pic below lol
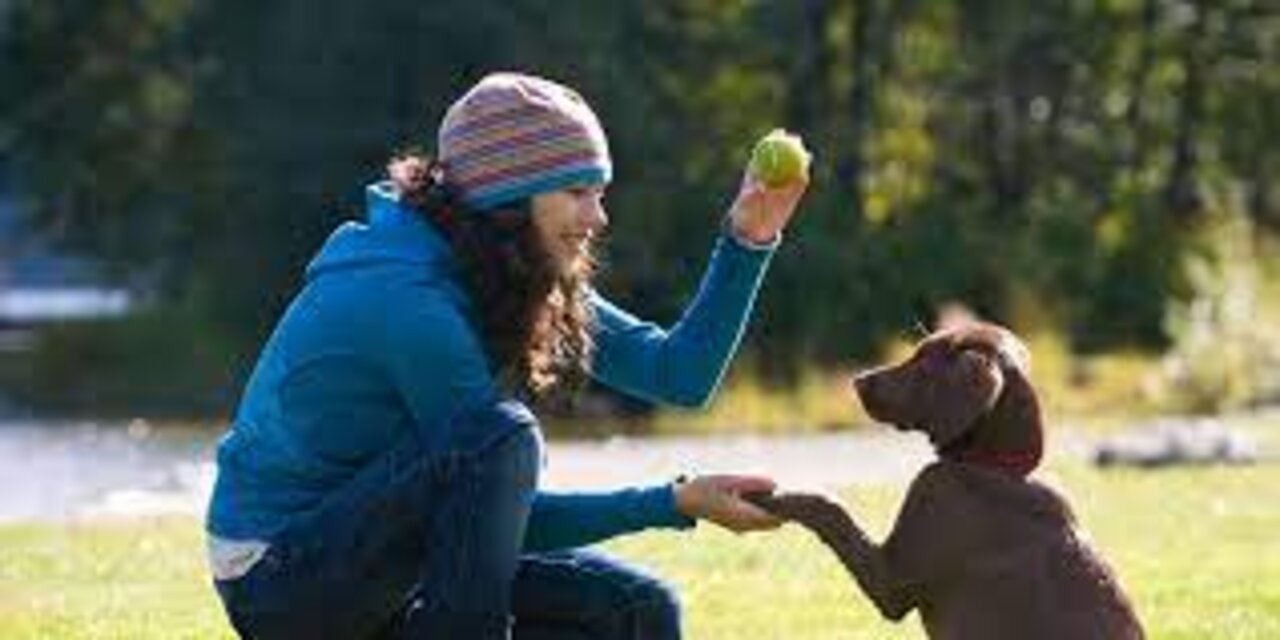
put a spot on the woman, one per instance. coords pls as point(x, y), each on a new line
point(380, 476)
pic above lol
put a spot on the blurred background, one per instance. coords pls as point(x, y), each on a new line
point(1099, 174)
point(1103, 176)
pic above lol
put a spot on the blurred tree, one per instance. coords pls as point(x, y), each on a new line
point(96, 124)
point(1072, 152)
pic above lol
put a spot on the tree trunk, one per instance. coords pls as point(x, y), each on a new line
point(1181, 197)
point(809, 78)
point(852, 161)
point(1136, 151)
point(875, 24)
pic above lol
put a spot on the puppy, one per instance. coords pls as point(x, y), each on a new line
point(982, 551)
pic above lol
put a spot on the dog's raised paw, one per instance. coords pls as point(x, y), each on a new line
point(810, 509)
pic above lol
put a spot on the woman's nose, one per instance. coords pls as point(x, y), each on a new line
point(595, 217)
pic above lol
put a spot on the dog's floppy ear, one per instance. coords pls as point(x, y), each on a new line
point(969, 390)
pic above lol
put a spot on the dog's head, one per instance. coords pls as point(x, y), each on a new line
point(967, 387)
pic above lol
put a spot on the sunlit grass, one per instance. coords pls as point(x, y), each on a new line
point(137, 579)
point(1197, 549)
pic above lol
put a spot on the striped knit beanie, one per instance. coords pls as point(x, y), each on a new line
point(513, 136)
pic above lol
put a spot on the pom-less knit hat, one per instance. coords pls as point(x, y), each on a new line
point(513, 136)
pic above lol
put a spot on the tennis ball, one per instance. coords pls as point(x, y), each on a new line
point(779, 159)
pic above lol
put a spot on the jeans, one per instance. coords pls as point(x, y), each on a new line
point(417, 548)
point(580, 594)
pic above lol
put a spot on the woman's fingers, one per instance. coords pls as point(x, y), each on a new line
point(740, 484)
point(760, 213)
point(718, 498)
point(740, 516)
point(749, 517)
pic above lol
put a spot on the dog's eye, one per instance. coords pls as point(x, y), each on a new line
point(937, 359)
point(976, 357)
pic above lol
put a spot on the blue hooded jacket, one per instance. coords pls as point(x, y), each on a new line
point(379, 343)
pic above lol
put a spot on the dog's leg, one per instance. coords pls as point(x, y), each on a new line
point(864, 559)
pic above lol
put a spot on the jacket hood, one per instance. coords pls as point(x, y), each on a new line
point(391, 235)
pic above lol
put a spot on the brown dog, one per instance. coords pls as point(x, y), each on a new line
point(981, 550)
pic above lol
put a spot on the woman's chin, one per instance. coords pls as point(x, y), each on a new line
point(572, 260)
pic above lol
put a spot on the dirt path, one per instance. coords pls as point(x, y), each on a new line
point(87, 470)
point(55, 472)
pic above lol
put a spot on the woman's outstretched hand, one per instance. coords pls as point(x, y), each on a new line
point(718, 499)
point(760, 213)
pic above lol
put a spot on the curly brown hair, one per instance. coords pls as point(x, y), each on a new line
point(534, 320)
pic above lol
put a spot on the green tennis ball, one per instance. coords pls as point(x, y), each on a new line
point(779, 159)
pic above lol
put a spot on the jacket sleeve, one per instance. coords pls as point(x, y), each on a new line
point(439, 368)
point(436, 364)
point(567, 520)
point(683, 365)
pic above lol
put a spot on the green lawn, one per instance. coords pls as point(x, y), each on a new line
point(1198, 549)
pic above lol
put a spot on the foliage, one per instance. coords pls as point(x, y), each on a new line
point(1225, 354)
point(1068, 153)
point(160, 363)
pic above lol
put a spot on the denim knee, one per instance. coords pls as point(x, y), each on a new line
point(653, 612)
point(601, 597)
point(521, 456)
point(643, 608)
point(476, 544)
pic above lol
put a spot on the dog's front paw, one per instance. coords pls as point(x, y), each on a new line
point(812, 510)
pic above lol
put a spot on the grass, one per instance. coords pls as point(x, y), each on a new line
point(1197, 549)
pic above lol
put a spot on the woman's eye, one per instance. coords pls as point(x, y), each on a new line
point(586, 192)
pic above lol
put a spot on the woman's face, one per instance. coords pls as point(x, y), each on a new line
point(567, 221)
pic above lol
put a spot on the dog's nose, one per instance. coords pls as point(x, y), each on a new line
point(864, 386)
point(863, 382)
point(879, 395)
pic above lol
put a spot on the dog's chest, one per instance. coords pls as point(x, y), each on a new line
point(1001, 500)
point(1000, 524)
point(1021, 546)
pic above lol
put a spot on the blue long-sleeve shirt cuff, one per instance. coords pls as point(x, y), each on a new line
point(761, 247)
point(567, 520)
